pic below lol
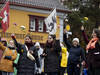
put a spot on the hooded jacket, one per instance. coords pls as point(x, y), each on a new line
point(41, 59)
point(6, 62)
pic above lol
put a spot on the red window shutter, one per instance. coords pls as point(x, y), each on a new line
point(44, 28)
point(36, 22)
point(36, 26)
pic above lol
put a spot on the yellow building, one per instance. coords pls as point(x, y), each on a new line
point(31, 14)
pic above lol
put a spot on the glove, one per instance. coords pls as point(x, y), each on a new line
point(8, 57)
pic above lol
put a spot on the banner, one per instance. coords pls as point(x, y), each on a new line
point(51, 23)
point(4, 13)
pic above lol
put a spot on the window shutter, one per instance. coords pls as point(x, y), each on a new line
point(44, 28)
point(36, 25)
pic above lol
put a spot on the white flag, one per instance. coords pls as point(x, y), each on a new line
point(51, 22)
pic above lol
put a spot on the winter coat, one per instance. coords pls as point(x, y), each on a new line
point(7, 64)
point(74, 52)
point(26, 65)
point(93, 55)
point(41, 60)
point(52, 60)
point(64, 57)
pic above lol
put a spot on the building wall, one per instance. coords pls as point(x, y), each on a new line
point(22, 18)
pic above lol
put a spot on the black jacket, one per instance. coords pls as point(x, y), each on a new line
point(25, 65)
point(93, 55)
point(93, 58)
point(51, 61)
point(76, 54)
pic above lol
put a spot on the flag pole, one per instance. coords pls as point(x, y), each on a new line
point(51, 10)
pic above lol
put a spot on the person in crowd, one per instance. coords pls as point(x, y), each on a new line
point(26, 64)
point(41, 59)
point(64, 56)
point(93, 51)
point(12, 46)
point(4, 42)
point(51, 53)
point(76, 56)
point(7, 59)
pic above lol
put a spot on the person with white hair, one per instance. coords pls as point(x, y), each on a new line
point(76, 56)
point(41, 59)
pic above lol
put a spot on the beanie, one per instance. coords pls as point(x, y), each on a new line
point(76, 39)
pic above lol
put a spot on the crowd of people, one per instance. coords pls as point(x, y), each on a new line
point(56, 58)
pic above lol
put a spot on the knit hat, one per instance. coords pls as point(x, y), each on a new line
point(76, 39)
point(37, 44)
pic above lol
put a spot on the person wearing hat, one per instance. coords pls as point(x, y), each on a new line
point(41, 59)
point(76, 56)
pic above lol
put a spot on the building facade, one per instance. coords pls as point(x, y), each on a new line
point(31, 15)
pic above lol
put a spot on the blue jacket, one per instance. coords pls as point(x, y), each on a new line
point(76, 54)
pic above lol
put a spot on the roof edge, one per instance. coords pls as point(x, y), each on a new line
point(37, 7)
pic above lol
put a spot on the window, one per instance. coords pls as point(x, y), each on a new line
point(32, 24)
point(40, 23)
point(37, 24)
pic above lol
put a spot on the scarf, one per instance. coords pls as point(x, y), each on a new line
point(92, 43)
point(49, 45)
point(29, 44)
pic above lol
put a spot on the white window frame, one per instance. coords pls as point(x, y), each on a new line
point(40, 25)
point(32, 24)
